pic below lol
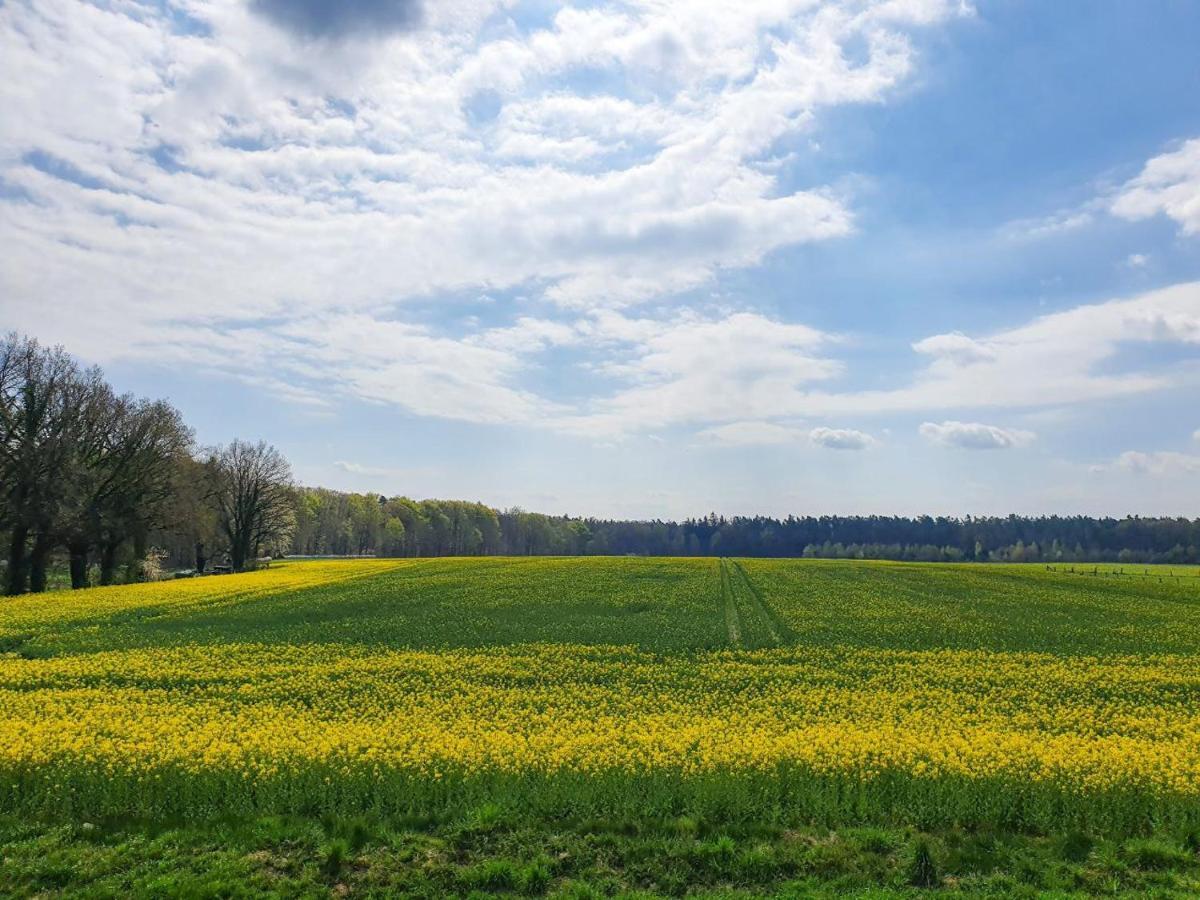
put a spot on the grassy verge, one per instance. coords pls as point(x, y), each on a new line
point(490, 852)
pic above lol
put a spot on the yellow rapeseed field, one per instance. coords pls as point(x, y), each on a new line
point(171, 698)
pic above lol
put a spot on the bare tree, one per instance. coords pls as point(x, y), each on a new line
point(85, 480)
point(189, 529)
point(120, 477)
point(149, 440)
point(253, 495)
point(37, 386)
point(79, 466)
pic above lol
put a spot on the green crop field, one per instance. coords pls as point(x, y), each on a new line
point(600, 726)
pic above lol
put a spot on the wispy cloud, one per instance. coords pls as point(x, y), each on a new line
point(1060, 222)
point(752, 434)
point(353, 468)
point(1053, 360)
point(701, 371)
point(1169, 185)
point(1158, 463)
point(750, 367)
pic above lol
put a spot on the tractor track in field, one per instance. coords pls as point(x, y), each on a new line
point(732, 622)
point(777, 630)
point(780, 631)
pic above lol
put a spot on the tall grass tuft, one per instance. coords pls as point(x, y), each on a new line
point(922, 869)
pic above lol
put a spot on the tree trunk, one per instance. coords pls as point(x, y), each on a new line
point(108, 561)
point(237, 556)
point(79, 564)
point(136, 570)
point(18, 571)
point(39, 557)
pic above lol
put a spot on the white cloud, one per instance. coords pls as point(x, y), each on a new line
point(975, 435)
point(237, 164)
point(955, 347)
point(407, 366)
point(841, 438)
point(698, 371)
point(736, 369)
point(748, 434)
point(1057, 223)
point(750, 368)
point(353, 468)
point(1169, 184)
point(1137, 260)
point(223, 193)
point(1196, 435)
point(1160, 463)
point(1054, 360)
point(237, 200)
point(527, 335)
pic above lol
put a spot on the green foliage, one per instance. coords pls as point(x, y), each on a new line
point(333, 522)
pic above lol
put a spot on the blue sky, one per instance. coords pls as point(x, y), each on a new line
point(634, 259)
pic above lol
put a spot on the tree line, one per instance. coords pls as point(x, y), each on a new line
point(100, 478)
point(112, 487)
point(336, 523)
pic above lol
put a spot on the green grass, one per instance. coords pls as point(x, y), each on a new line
point(506, 853)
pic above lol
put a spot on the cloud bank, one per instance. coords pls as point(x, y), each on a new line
point(325, 201)
point(192, 168)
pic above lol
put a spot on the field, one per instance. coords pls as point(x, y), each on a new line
point(606, 725)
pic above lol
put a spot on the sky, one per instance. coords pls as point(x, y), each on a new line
point(641, 259)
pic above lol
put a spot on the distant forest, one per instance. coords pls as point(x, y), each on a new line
point(335, 523)
point(100, 487)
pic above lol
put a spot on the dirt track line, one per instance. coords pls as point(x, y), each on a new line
point(777, 629)
point(732, 625)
